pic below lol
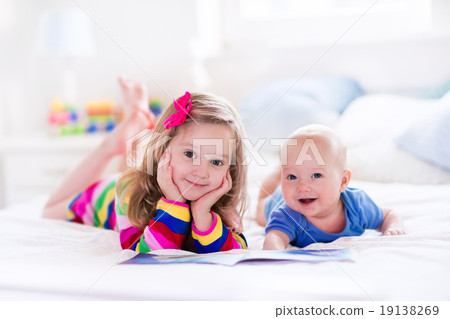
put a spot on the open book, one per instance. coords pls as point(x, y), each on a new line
point(232, 257)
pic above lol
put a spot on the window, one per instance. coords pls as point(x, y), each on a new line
point(301, 22)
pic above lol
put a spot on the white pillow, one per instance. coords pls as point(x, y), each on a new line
point(429, 138)
point(384, 162)
point(376, 117)
point(369, 127)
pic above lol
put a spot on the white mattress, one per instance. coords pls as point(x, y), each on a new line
point(46, 259)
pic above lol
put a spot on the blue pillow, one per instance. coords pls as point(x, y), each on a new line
point(269, 111)
point(437, 91)
point(429, 138)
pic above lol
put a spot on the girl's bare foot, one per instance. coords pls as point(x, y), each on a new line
point(137, 116)
point(135, 96)
point(115, 142)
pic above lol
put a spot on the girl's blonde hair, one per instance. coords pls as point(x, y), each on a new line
point(141, 185)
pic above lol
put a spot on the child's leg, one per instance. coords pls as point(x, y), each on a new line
point(134, 97)
point(91, 168)
point(268, 187)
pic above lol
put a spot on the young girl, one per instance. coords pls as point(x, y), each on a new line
point(188, 193)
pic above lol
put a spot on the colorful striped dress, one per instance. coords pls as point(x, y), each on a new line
point(99, 206)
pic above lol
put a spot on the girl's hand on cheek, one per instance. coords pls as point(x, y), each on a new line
point(165, 180)
point(201, 207)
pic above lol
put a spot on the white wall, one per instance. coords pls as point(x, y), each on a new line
point(403, 66)
point(156, 34)
point(159, 35)
point(385, 51)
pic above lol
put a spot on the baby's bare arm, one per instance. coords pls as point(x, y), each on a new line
point(392, 223)
point(268, 187)
point(276, 240)
point(270, 183)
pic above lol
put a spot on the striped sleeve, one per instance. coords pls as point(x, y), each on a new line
point(166, 231)
point(217, 238)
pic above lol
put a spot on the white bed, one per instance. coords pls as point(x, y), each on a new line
point(45, 259)
point(57, 260)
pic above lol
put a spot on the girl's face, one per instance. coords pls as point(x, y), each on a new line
point(200, 158)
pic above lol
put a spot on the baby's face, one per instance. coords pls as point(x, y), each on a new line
point(312, 181)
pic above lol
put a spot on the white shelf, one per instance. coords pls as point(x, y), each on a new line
point(35, 165)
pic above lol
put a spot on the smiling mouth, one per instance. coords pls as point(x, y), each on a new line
point(307, 201)
point(195, 184)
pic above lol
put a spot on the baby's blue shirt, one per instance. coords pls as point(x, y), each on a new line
point(360, 212)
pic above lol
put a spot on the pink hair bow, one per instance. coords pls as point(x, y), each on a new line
point(182, 107)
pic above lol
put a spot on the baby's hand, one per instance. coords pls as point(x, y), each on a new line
point(392, 223)
point(394, 232)
point(165, 181)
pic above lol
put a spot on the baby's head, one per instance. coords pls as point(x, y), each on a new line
point(203, 149)
point(314, 171)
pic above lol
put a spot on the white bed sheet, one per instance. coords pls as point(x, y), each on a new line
point(57, 260)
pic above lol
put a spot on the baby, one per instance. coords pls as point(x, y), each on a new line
point(314, 203)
